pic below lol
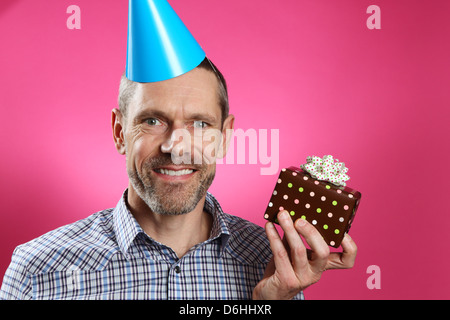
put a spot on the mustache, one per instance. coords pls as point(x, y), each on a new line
point(166, 160)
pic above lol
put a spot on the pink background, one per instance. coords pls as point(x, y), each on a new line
point(376, 99)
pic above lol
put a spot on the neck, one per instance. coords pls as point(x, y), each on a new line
point(179, 232)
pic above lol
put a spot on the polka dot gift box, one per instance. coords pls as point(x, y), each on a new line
point(316, 192)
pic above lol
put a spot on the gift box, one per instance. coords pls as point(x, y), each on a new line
point(327, 204)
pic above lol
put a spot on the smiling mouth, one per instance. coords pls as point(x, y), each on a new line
point(169, 172)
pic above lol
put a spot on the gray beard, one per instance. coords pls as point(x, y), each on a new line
point(176, 198)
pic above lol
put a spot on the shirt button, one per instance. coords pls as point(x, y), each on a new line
point(177, 269)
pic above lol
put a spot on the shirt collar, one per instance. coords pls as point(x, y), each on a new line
point(126, 228)
point(219, 226)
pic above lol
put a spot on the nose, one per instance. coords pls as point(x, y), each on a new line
point(167, 145)
point(178, 144)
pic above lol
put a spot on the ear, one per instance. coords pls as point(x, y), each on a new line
point(117, 129)
point(227, 133)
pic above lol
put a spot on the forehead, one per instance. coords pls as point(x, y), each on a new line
point(195, 91)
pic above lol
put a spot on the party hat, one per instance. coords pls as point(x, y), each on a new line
point(160, 47)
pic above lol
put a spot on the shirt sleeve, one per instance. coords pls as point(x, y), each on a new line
point(16, 282)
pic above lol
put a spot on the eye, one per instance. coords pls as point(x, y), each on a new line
point(200, 124)
point(153, 122)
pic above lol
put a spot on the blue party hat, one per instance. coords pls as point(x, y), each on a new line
point(160, 47)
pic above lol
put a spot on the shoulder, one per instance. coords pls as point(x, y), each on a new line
point(248, 241)
point(68, 245)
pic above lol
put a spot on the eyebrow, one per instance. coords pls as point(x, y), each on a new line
point(146, 113)
point(202, 116)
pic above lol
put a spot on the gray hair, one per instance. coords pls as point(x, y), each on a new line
point(127, 88)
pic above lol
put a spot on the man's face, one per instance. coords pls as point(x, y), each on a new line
point(165, 120)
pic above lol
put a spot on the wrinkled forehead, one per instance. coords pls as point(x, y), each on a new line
point(195, 91)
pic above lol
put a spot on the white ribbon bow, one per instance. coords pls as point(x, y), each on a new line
point(327, 169)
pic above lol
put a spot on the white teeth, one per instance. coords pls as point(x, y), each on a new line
point(175, 173)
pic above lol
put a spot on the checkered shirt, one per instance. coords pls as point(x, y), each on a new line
point(109, 256)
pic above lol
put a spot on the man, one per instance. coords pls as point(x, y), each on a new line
point(168, 238)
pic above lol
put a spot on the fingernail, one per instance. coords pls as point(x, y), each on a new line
point(270, 228)
point(284, 214)
point(300, 222)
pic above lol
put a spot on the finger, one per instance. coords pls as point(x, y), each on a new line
point(291, 237)
point(280, 255)
point(349, 251)
point(319, 249)
point(346, 258)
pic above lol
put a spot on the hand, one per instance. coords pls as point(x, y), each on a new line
point(294, 268)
